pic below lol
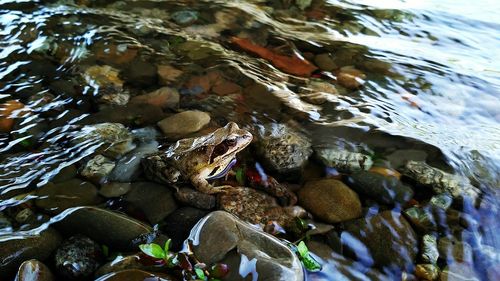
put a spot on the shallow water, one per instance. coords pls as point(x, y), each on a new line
point(428, 81)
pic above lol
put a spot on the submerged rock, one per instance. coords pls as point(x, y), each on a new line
point(18, 247)
point(283, 149)
point(154, 200)
point(440, 181)
point(33, 270)
point(343, 160)
point(78, 257)
point(164, 98)
point(55, 198)
point(385, 190)
point(184, 123)
point(97, 169)
point(330, 200)
point(429, 252)
point(106, 227)
point(114, 138)
point(427, 271)
point(458, 272)
point(128, 168)
point(221, 237)
point(387, 239)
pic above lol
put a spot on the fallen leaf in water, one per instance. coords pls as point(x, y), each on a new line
point(8, 112)
point(290, 64)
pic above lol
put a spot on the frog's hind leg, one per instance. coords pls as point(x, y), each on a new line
point(202, 185)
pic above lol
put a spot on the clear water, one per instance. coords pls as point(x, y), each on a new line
point(435, 86)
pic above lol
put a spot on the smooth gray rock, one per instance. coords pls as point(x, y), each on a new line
point(55, 198)
point(16, 248)
point(385, 190)
point(221, 237)
point(106, 227)
point(387, 239)
point(128, 168)
point(156, 201)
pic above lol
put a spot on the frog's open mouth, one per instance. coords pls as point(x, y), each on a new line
point(223, 172)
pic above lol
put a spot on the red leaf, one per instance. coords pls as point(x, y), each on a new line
point(292, 65)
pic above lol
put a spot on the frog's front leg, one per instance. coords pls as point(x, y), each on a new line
point(201, 184)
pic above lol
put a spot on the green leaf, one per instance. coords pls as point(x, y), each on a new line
point(199, 273)
point(302, 249)
point(311, 264)
point(152, 250)
point(167, 245)
point(240, 176)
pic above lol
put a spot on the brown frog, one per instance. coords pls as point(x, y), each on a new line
point(200, 159)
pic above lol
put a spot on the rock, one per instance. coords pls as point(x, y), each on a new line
point(114, 99)
point(114, 138)
point(106, 227)
point(55, 198)
point(154, 200)
point(385, 190)
point(325, 62)
point(338, 267)
point(343, 160)
point(421, 218)
point(453, 250)
point(141, 73)
point(121, 263)
point(255, 207)
point(128, 168)
point(225, 88)
point(427, 271)
point(114, 189)
point(135, 274)
point(440, 181)
point(195, 198)
point(167, 74)
point(458, 272)
point(178, 224)
point(442, 201)
point(429, 252)
point(25, 216)
point(283, 149)
point(401, 156)
point(129, 115)
point(78, 257)
point(330, 200)
point(103, 79)
point(184, 123)
point(303, 4)
point(65, 174)
point(185, 17)
point(350, 78)
point(164, 98)
point(18, 247)
point(388, 238)
point(97, 169)
point(33, 270)
point(221, 237)
point(115, 53)
point(146, 135)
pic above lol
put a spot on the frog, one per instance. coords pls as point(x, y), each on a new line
point(199, 159)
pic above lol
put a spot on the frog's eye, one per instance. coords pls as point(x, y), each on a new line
point(230, 142)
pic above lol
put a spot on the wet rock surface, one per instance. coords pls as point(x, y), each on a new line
point(220, 234)
point(154, 200)
point(283, 149)
point(26, 246)
point(330, 200)
point(78, 257)
point(135, 274)
point(388, 238)
point(55, 198)
point(104, 226)
point(386, 190)
point(195, 198)
point(34, 270)
point(184, 123)
point(115, 140)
